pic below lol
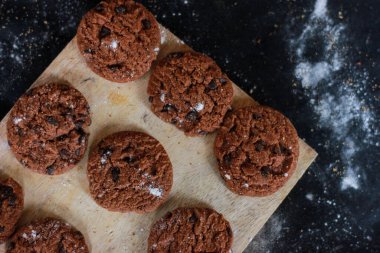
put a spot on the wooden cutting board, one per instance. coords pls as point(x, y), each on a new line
point(125, 106)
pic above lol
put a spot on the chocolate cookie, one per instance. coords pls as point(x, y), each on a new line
point(47, 235)
point(129, 171)
point(191, 230)
point(46, 128)
point(11, 206)
point(119, 40)
point(257, 150)
point(190, 91)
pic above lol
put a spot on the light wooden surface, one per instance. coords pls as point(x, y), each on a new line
point(117, 107)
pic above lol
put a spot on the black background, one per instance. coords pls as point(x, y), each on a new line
point(249, 40)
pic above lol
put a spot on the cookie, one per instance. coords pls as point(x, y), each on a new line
point(119, 40)
point(47, 235)
point(11, 207)
point(47, 128)
point(191, 230)
point(257, 150)
point(190, 91)
point(129, 172)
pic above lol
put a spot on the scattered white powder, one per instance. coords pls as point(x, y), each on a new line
point(163, 36)
point(114, 44)
point(334, 87)
point(286, 174)
point(25, 236)
point(245, 185)
point(309, 196)
point(350, 180)
point(103, 160)
point(155, 191)
point(17, 120)
point(320, 8)
point(199, 107)
point(162, 97)
point(34, 234)
point(156, 50)
point(227, 176)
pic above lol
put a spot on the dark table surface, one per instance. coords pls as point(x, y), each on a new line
point(316, 61)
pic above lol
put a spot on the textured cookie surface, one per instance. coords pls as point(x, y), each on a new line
point(47, 235)
point(119, 40)
point(191, 230)
point(11, 207)
point(129, 171)
point(190, 91)
point(257, 150)
point(46, 128)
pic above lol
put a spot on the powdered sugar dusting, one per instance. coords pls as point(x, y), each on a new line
point(335, 88)
point(155, 191)
point(199, 107)
point(114, 44)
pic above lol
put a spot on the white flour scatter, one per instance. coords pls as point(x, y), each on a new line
point(155, 191)
point(266, 238)
point(114, 44)
point(335, 87)
point(199, 107)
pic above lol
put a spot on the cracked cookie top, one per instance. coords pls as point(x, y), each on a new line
point(191, 230)
point(119, 40)
point(190, 91)
point(47, 128)
point(129, 172)
point(257, 150)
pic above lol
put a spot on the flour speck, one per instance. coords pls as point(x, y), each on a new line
point(155, 191)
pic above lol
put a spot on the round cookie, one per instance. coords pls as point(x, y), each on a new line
point(191, 230)
point(11, 207)
point(190, 91)
point(47, 235)
point(257, 150)
point(46, 128)
point(119, 40)
point(129, 171)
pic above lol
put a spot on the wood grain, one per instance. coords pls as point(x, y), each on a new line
point(117, 107)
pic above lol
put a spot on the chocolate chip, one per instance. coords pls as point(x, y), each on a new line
point(2, 228)
point(99, 7)
point(265, 171)
point(162, 86)
point(153, 171)
point(61, 247)
point(192, 116)
point(104, 32)
point(77, 152)
point(223, 81)
point(174, 121)
point(193, 218)
point(88, 51)
point(227, 159)
point(114, 67)
point(285, 150)
point(64, 153)
point(276, 150)
point(260, 145)
point(79, 123)
point(121, 9)
point(82, 135)
point(52, 121)
point(150, 99)
point(233, 129)
point(115, 171)
point(106, 152)
point(256, 116)
point(12, 200)
point(129, 159)
point(62, 137)
point(50, 170)
point(146, 24)
point(212, 85)
point(168, 107)
point(11, 245)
